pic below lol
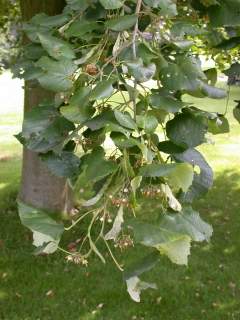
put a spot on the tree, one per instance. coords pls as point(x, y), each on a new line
point(39, 187)
point(98, 57)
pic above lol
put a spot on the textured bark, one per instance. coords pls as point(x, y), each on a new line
point(39, 187)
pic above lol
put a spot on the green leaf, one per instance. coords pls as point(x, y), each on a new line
point(203, 181)
point(143, 265)
point(97, 167)
point(56, 74)
point(157, 170)
point(226, 13)
point(211, 75)
point(79, 110)
point(150, 123)
point(50, 21)
point(182, 75)
point(44, 129)
point(64, 165)
point(233, 71)
point(179, 174)
point(81, 27)
point(184, 28)
point(229, 43)
point(98, 196)
point(218, 125)
point(140, 72)
point(167, 103)
point(182, 176)
point(125, 120)
point(168, 7)
point(43, 23)
point(186, 130)
point(38, 220)
point(121, 141)
point(236, 112)
point(106, 120)
point(146, 52)
point(103, 90)
point(169, 147)
point(188, 222)
point(55, 47)
point(212, 92)
point(79, 5)
point(77, 114)
point(121, 23)
point(166, 240)
point(111, 4)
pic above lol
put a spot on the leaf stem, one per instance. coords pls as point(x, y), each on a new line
point(112, 256)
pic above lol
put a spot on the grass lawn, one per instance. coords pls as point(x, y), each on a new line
point(42, 288)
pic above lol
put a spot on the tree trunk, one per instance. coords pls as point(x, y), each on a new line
point(39, 187)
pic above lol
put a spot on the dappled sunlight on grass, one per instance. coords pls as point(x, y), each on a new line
point(3, 185)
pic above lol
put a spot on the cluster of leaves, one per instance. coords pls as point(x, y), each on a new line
point(119, 129)
point(9, 32)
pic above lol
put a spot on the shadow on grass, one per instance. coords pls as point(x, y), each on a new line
point(47, 288)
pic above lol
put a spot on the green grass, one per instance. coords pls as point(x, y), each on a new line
point(209, 288)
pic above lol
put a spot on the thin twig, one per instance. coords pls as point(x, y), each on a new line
point(134, 49)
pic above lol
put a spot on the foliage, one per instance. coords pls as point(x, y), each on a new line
point(9, 32)
point(120, 71)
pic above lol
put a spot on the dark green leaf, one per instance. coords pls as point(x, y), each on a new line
point(81, 27)
point(97, 167)
point(38, 220)
point(79, 5)
point(179, 174)
point(141, 266)
point(184, 28)
point(202, 182)
point(233, 71)
point(45, 129)
point(55, 47)
point(236, 112)
point(188, 222)
point(167, 240)
point(122, 23)
point(182, 75)
point(186, 130)
point(111, 4)
point(167, 103)
point(169, 147)
point(64, 165)
point(121, 141)
point(225, 13)
point(168, 7)
point(56, 74)
point(140, 72)
point(103, 90)
point(125, 120)
point(212, 92)
point(79, 110)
